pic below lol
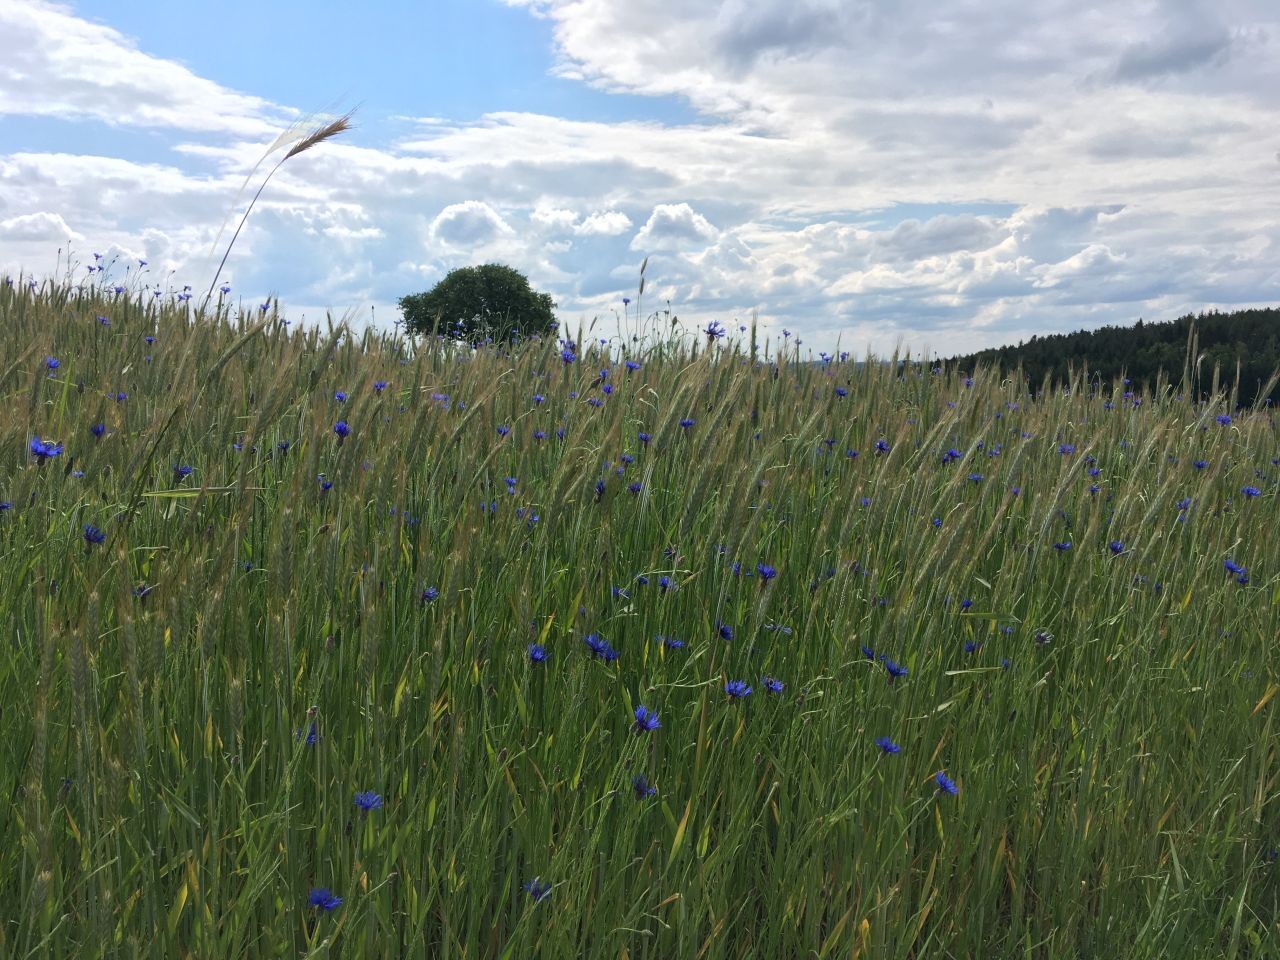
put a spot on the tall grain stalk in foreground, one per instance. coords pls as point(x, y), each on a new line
point(326, 132)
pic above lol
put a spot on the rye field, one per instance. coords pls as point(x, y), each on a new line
point(328, 643)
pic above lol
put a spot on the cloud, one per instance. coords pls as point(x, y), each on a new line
point(43, 226)
point(60, 65)
point(604, 223)
point(674, 226)
point(470, 223)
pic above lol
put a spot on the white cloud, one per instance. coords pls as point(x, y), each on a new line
point(604, 223)
point(57, 64)
point(470, 223)
point(38, 226)
point(674, 226)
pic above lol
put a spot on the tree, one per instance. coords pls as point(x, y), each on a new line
point(489, 302)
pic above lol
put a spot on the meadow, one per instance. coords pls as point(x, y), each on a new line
point(328, 643)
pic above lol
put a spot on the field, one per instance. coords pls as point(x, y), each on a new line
point(332, 645)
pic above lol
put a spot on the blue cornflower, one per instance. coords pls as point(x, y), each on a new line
point(773, 685)
point(737, 689)
point(945, 783)
point(98, 429)
point(538, 653)
point(882, 446)
point(503, 430)
point(1199, 464)
point(312, 734)
point(1223, 419)
point(368, 801)
point(766, 572)
point(1063, 546)
point(841, 392)
point(951, 454)
point(1184, 503)
point(44, 450)
point(6, 505)
point(643, 788)
point(538, 889)
point(568, 356)
point(643, 437)
point(325, 484)
point(121, 397)
point(937, 521)
point(1117, 546)
point(322, 898)
point(646, 720)
point(599, 647)
point(976, 477)
point(430, 595)
point(868, 652)
point(895, 670)
point(340, 396)
point(632, 365)
point(1231, 566)
point(726, 631)
point(342, 429)
point(181, 472)
point(1066, 448)
point(672, 643)
point(635, 487)
point(93, 535)
point(887, 746)
point(687, 422)
point(1251, 491)
point(53, 363)
point(539, 434)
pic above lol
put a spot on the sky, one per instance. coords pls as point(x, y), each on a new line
point(940, 174)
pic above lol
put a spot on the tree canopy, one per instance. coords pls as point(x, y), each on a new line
point(1247, 338)
point(488, 302)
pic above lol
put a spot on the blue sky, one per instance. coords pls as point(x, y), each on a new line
point(929, 172)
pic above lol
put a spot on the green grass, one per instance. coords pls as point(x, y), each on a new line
point(1118, 785)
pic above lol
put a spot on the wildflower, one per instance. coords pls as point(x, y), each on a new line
point(98, 429)
point(322, 898)
point(92, 535)
point(340, 396)
point(1251, 491)
point(887, 746)
point(325, 485)
point(368, 801)
point(841, 392)
point(53, 363)
point(646, 720)
point(714, 331)
point(643, 437)
point(726, 631)
point(1043, 638)
point(312, 734)
point(1066, 449)
point(882, 446)
point(946, 784)
point(1223, 419)
point(973, 646)
point(503, 430)
point(632, 365)
point(1064, 546)
point(635, 487)
point(1232, 567)
point(1117, 546)
point(737, 689)
point(568, 356)
point(538, 653)
point(539, 434)
point(773, 685)
point(671, 643)
point(766, 572)
point(44, 450)
point(600, 648)
point(538, 889)
point(181, 472)
point(104, 321)
point(895, 670)
point(937, 521)
point(687, 422)
point(1199, 464)
point(429, 595)
point(643, 788)
point(342, 429)
point(868, 652)
point(121, 397)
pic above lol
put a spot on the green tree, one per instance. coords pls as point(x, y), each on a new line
point(475, 304)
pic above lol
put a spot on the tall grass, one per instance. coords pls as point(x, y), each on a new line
point(190, 706)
